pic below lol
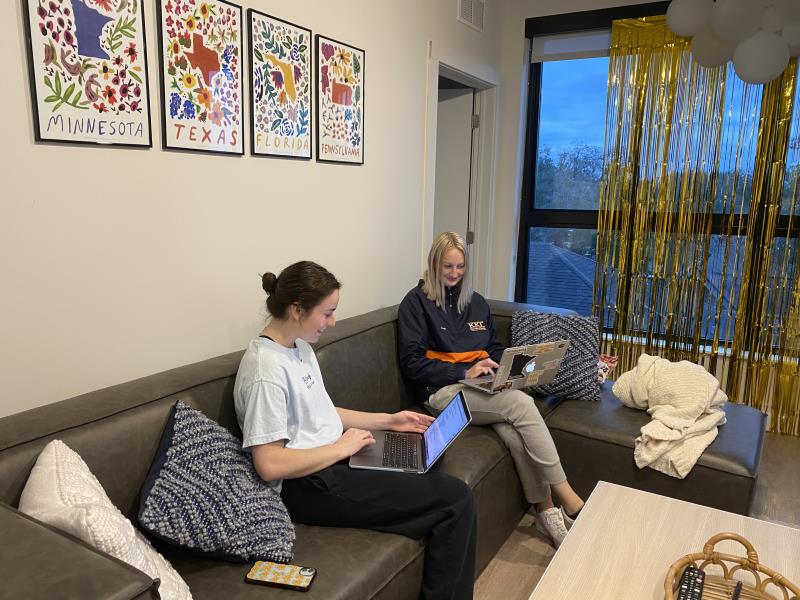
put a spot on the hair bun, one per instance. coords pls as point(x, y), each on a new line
point(268, 281)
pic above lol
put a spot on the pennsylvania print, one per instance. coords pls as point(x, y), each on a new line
point(89, 71)
point(340, 102)
point(201, 75)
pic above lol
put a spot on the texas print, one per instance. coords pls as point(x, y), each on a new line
point(201, 76)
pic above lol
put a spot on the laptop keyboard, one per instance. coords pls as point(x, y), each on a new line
point(400, 451)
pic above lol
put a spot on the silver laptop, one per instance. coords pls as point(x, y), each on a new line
point(415, 452)
point(523, 366)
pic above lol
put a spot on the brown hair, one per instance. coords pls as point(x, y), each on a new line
point(304, 283)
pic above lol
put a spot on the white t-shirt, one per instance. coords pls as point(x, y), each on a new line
point(279, 395)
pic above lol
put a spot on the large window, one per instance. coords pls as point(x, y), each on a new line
point(563, 157)
point(562, 208)
point(565, 133)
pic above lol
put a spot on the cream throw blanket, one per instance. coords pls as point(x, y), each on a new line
point(686, 405)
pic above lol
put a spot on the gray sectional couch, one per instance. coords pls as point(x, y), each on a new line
point(117, 431)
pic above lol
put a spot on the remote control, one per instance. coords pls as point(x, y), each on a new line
point(737, 590)
point(691, 585)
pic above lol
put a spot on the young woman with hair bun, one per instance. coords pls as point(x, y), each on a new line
point(301, 442)
point(446, 334)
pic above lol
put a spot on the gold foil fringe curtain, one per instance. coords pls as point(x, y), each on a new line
point(697, 250)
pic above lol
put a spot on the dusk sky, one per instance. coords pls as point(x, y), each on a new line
point(573, 103)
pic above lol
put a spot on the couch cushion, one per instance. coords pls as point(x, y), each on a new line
point(577, 376)
point(62, 492)
point(595, 441)
point(473, 454)
point(119, 425)
point(364, 564)
point(203, 493)
point(736, 449)
point(481, 459)
point(359, 363)
point(547, 404)
point(24, 575)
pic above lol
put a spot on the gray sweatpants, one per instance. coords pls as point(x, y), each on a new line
point(515, 418)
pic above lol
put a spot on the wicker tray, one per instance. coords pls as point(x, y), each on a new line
point(759, 582)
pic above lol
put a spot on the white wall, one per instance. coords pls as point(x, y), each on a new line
point(102, 287)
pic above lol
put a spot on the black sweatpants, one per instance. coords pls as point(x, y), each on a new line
point(435, 505)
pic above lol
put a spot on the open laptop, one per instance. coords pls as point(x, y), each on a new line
point(415, 452)
point(523, 366)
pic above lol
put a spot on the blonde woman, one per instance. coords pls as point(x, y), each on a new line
point(447, 334)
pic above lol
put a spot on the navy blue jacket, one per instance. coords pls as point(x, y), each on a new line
point(423, 328)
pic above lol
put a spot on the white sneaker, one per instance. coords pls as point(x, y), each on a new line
point(567, 520)
point(551, 523)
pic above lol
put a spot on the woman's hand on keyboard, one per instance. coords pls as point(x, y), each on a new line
point(407, 420)
point(354, 440)
point(483, 367)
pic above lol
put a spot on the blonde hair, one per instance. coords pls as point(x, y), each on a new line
point(431, 280)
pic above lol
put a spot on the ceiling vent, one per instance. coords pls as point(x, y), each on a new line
point(470, 12)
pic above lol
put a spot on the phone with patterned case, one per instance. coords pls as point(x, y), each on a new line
point(293, 577)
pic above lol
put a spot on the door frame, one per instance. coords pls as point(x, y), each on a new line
point(482, 170)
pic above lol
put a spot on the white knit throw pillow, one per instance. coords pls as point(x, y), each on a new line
point(61, 491)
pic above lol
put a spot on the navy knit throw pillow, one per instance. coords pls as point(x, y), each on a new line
point(203, 494)
point(577, 377)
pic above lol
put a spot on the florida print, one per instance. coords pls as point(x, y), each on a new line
point(281, 87)
point(89, 71)
point(340, 102)
point(201, 75)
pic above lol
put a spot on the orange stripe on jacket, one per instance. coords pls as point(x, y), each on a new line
point(457, 357)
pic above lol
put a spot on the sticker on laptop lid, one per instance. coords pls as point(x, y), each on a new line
point(532, 378)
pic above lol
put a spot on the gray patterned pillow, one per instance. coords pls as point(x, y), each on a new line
point(577, 376)
point(203, 494)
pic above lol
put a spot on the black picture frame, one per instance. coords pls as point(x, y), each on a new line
point(329, 109)
point(261, 146)
point(188, 143)
point(82, 93)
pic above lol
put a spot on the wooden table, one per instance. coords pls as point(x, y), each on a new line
point(625, 540)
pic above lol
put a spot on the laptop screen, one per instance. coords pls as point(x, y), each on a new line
point(444, 429)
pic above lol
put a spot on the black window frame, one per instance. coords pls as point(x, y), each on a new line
point(530, 216)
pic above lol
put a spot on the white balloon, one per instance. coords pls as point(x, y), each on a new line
point(788, 9)
point(735, 20)
point(687, 17)
point(791, 33)
point(710, 51)
point(771, 20)
point(761, 57)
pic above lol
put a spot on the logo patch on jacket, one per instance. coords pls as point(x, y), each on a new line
point(476, 326)
point(308, 380)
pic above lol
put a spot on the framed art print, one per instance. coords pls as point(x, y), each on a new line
point(280, 87)
point(340, 101)
point(201, 75)
point(88, 71)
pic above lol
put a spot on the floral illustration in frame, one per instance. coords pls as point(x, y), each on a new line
point(201, 75)
point(340, 101)
point(88, 71)
point(280, 87)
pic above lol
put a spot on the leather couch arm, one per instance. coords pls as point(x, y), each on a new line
point(39, 561)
